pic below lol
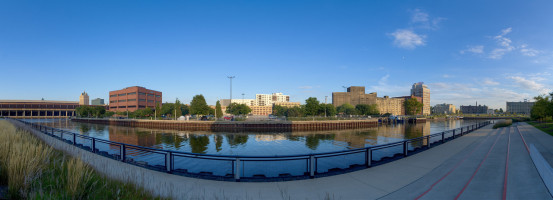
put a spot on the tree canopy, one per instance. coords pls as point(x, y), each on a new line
point(238, 109)
point(346, 109)
point(312, 106)
point(198, 106)
point(543, 107)
point(219, 110)
point(364, 109)
point(412, 106)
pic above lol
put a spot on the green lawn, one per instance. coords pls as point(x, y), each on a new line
point(544, 126)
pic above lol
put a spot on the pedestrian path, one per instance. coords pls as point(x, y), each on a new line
point(497, 166)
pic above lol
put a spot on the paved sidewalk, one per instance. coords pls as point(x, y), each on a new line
point(402, 179)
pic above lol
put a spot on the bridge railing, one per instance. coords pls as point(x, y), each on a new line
point(254, 168)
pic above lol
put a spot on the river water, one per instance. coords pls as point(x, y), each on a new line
point(269, 144)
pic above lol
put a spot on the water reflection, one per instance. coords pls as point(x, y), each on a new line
point(258, 143)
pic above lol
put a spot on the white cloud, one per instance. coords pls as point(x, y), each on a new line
point(419, 16)
point(447, 76)
point(478, 49)
point(407, 39)
point(504, 44)
point(385, 88)
point(528, 51)
point(489, 82)
point(530, 84)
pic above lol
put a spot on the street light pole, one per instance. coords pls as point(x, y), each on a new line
point(231, 77)
point(325, 105)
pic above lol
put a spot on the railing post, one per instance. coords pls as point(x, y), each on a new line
point(453, 133)
point(74, 139)
point(311, 166)
point(428, 142)
point(123, 149)
point(443, 137)
point(169, 161)
point(369, 157)
point(94, 145)
point(405, 149)
point(61, 134)
point(461, 130)
point(237, 169)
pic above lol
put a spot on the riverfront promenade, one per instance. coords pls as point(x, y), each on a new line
point(470, 167)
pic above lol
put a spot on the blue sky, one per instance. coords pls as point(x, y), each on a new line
point(465, 51)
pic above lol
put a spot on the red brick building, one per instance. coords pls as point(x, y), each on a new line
point(133, 98)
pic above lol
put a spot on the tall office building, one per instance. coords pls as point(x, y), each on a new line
point(421, 90)
point(134, 98)
point(83, 99)
point(97, 102)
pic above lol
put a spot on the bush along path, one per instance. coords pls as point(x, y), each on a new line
point(33, 170)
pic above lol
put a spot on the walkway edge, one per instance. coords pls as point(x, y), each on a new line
point(544, 169)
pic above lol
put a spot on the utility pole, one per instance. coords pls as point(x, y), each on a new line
point(345, 88)
point(243, 98)
point(231, 77)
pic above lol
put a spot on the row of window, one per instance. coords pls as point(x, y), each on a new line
point(133, 93)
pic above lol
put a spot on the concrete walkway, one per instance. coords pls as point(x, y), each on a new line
point(471, 167)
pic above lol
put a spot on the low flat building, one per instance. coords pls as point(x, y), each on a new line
point(287, 104)
point(519, 107)
point(37, 108)
point(261, 110)
point(476, 109)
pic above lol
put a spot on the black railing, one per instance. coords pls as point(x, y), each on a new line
point(255, 168)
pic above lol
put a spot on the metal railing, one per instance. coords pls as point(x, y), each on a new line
point(255, 168)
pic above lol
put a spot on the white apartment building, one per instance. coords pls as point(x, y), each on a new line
point(270, 99)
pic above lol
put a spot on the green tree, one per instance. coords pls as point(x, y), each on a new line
point(328, 108)
point(542, 108)
point(178, 106)
point(157, 111)
point(346, 109)
point(98, 111)
point(167, 109)
point(198, 106)
point(500, 110)
point(412, 106)
point(109, 113)
point(219, 110)
point(312, 106)
point(296, 111)
point(279, 110)
point(238, 109)
point(185, 109)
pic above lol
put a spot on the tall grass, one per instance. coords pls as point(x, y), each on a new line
point(33, 170)
point(503, 123)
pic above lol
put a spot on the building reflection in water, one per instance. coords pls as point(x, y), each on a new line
point(274, 143)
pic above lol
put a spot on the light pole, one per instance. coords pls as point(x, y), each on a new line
point(325, 105)
point(345, 88)
point(231, 77)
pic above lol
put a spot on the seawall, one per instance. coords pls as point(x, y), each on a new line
point(237, 126)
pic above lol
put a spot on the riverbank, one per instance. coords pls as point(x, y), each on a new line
point(34, 170)
point(237, 126)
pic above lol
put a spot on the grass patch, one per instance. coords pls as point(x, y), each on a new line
point(34, 170)
point(543, 126)
point(504, 123)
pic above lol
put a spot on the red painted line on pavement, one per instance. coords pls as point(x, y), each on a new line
point(477, 169)
point(456, 165)
point(527, 149)
point(506, 168)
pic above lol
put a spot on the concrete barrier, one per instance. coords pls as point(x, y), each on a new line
point(543, 167)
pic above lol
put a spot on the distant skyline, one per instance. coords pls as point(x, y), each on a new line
point(465, 51)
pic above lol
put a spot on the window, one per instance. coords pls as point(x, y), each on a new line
point(122, 107)
point(141, 106)
point(142, 93)
point(131, 100)
point(132, 93)
point(132, 106)
point(113, 95)
point(150, 95)
point(122, 101)
point(158, 96)
point(113, 107)
point(112, 101)
point(121, 94)
point(151, 101)
point(141, 99)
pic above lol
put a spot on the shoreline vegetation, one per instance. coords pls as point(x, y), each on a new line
point(33, 170)
point(503, 123)
point(546, 127)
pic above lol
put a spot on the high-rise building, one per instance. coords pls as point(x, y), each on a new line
point(97, 102)
point(421, 90)
point(519, 107)
point(134, 98)
point(354, 95)
point(83, 99)
point(270, 99)
point(444, 109)
point(248, 102)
